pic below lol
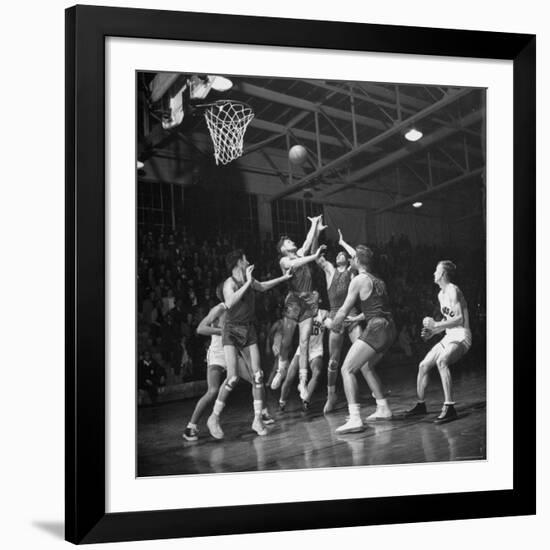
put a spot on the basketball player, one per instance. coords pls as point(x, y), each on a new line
point(212, 325)
point(239, 335)
point(298, 303)
point(338, 280)
point(454, 345)
point(373, 343)
point(315, 361)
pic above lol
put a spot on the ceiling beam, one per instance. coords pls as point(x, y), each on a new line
point(407, 151)
point(435, 189)
point(305, 105)
point(451, 98)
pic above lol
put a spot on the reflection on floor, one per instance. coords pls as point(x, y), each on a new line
point(307, 440)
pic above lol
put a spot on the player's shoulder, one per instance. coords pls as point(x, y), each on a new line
point(453, 291)
point(229, 283)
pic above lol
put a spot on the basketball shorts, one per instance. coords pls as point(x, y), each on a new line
point(215, 356)
point(240, 336)
point(332, 313)
point(457, 335)
point(299, 305)
point(379, 334)
point(312, 352)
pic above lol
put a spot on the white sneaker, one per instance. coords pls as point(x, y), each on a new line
point(381, 413)
point(213, 425)
point(353, 425)
point(278, 379)
point(302, 389)
point(258, 426)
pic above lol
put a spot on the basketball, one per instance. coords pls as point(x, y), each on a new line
point(297, 154)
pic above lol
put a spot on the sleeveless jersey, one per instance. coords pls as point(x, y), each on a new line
point(242, 313)
point(338, 289)
point(447, 313)
point(377, 304)
point(301, 279)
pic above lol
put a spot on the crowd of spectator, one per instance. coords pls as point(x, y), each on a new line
point(178, 274)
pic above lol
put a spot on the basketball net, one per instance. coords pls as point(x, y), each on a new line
point(227, 121)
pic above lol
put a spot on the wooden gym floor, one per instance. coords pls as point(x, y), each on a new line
point(307, 439)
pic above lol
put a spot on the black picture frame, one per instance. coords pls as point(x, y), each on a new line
point(86, 29)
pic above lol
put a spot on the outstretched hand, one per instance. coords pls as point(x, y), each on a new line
point(288, 274)
point(320, 250)
point(340, 237)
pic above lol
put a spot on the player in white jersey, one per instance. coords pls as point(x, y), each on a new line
point(456, 342)
point(216, 369)
point(315, 357)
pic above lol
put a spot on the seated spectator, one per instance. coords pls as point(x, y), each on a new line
point(151, 379)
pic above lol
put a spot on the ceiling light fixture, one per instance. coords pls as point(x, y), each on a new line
point(413, 134)
point(417, 204)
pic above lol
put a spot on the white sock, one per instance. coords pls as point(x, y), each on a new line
point(354, 411)
point(382, 402)
point(331, 390)
point(258, 405)
point(192, 426)
point(265, 411)
point(218, 407)
point(303, 376)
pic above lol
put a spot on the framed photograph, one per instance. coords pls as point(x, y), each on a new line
point(300, 272)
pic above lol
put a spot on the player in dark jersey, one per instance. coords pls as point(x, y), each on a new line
point(370, 347)
point(299, 302)
point(239, 335)
point(452, 347)
point(338, 281)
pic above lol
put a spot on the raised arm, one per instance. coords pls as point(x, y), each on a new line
point(206, 327)
point(266, 285)
point(325, 265)
point(309, 237)
point(348, 248)
point(231, 294)
point(293, 263)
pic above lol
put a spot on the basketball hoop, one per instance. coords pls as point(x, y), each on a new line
point(227, 121)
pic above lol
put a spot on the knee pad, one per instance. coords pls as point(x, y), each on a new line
point(259, 378)
point(333, 366)
point(231, 383)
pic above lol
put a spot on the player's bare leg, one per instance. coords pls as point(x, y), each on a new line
point(214, 376)
point(358, 355)
point(246, 373)
point(289, 326)
point(453, 352)
point(257, 389)
point(383, 411)
point(213, 422)
point(304, 328)
point(289, 380)
point(335, 341)
point(316, 365)
point(424, 368)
